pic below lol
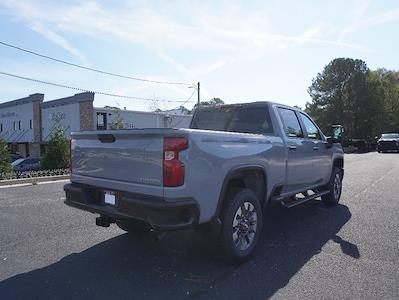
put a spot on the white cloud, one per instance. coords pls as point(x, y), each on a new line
point(215, 36)
point(57, 39)
point(26, 12)
point(193, 39)
point(361, 7)
point(361, 24)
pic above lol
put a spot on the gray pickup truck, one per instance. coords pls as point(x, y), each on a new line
point(223, 171)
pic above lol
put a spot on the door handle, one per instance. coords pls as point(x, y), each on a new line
point(315, 148)
point(292, 147)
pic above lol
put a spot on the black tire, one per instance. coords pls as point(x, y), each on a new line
point(334, 187)
point(134, 227)
point(240, 233)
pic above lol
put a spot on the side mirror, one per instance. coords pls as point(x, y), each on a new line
point(336, 133)
point(329, 142)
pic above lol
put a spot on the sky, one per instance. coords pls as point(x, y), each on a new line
point(239, 51)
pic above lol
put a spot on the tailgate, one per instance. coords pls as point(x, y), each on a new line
point(133, 156)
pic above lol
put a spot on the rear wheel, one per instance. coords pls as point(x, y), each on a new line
point(134, 227)
point(242, 224)
point(335, 188)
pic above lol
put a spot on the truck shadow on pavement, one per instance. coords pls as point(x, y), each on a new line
point(185, 265)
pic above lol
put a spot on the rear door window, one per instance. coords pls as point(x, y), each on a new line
point(251, 120)
point(292, 128)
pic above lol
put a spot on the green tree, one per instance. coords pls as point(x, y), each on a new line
point(57, 151)
point(213, 101)
point(345, 93)
point(185, 111)
point(388, 92)
point(5, 164)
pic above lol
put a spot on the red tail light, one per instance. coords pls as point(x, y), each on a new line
point(173, 168)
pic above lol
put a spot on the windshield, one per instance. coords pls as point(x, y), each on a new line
point(390, 136)
point(17, 162)
point(233, 119)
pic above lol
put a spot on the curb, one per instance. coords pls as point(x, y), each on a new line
point(33, 180)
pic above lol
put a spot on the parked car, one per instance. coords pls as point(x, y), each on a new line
point(388, 142)
point(232, 162)
point(14, 157)
point(26, 164)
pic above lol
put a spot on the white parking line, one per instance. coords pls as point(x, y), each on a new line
point(29, 184)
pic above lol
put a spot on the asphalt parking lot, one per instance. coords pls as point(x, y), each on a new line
point(51, 251)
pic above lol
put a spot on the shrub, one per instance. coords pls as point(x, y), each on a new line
point(5, 163)
point(57, 152)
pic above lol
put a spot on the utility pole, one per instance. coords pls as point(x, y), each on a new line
point(198, 91)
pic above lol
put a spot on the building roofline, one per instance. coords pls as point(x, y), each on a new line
point(81, 97)
point(37, 97)
point(135, 111)
point(254, 104)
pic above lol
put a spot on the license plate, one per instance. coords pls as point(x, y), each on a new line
point(109, 198)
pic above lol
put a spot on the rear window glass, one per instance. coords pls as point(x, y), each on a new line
point(233, 119)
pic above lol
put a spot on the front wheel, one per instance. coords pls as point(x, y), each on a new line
point(242, 224)
point(335, 188)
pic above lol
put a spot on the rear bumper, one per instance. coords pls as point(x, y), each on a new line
point(387, 146)
point(158, 213)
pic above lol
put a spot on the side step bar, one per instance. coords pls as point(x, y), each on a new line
point(291, 203)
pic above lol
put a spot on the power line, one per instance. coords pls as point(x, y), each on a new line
point(189, 98)
point(85, 90)
point(92, 69)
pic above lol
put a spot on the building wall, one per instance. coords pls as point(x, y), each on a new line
point(34, 119)
point(74, 113)
point(20, 116)
point(68, 115)
point(34, 147)
point(86, 115)
point(178, 121)
point(21, 113)
point(37, 122)
point(137, 119)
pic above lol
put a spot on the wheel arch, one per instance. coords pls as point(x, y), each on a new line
point(339, 162)
point(253, 177)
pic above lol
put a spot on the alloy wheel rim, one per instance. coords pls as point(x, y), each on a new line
point(244, 226)
point(337, 186)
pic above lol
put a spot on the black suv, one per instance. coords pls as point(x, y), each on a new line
point(388, 142)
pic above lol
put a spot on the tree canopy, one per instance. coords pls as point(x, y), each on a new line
point(213, 101)
point(347, 92)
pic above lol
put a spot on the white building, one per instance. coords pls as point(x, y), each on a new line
point(20, 124)
point(26, 124)
point(75, 113)
point(138, 119)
